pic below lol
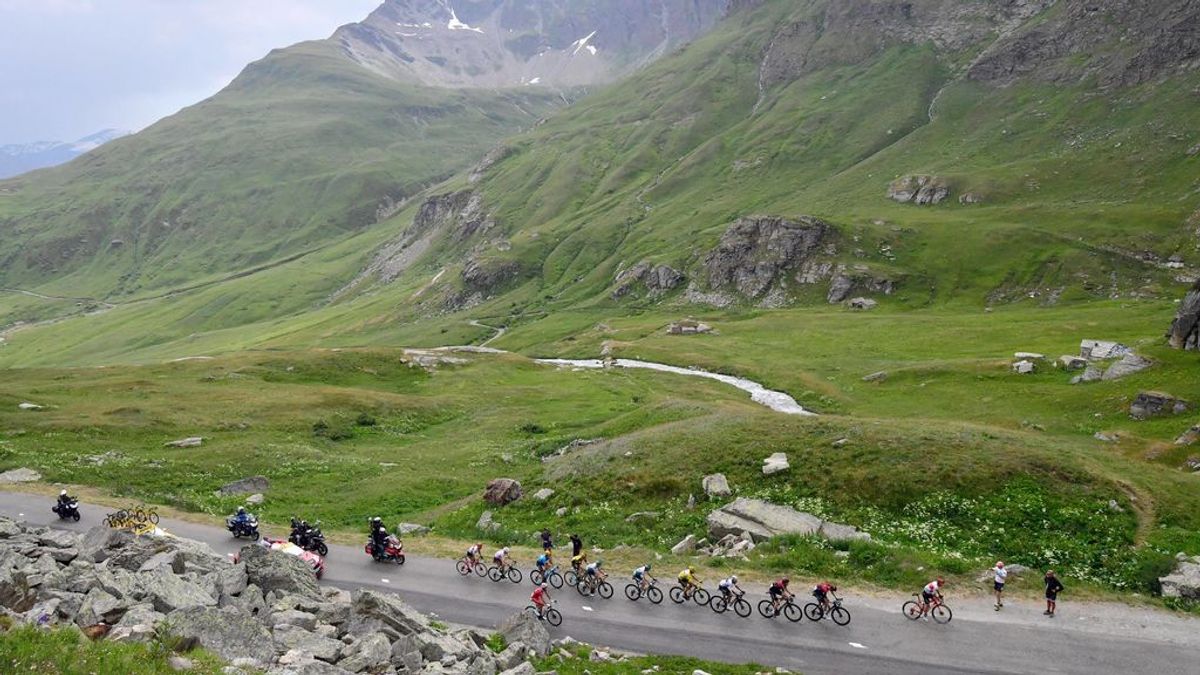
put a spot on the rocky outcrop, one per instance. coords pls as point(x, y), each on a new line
point(273, 571)
point(485, 275)
point(716, 485)
point(1184, 582)
point(1185, 329)
point(1157, 404)
point(759, 520)
point(287, 628)
point(245, 486)
point(501, 491)
point(658, 280)
point(919, 190)
point(755, 254)
point(21, 475)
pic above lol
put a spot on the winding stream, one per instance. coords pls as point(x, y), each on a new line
point(775, 400)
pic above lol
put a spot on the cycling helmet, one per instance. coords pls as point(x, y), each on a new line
point(647, 567)
point(545, 585)
point(479, 545)
point(733, 578)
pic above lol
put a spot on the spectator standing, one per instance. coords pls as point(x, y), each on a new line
point(1000, 576)
point(1053, 588)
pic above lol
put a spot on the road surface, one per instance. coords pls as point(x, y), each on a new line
point(879, 641)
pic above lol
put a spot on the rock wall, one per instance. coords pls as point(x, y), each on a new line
point(266, 611)
point(1185, 330)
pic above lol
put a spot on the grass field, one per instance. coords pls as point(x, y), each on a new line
point(66, 652)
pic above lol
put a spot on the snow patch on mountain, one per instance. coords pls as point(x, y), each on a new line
point(455, 24)
point(582, 43)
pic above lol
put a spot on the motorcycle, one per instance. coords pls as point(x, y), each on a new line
point(310, 539)
point(66, 511)
point(393, 551)
point(241, 529)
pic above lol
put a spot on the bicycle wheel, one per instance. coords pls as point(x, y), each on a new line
point(676, 594)
point(840, 615)
point(767, 609)
point(515, 575)
point(911, 609)
point(106, 522)
point(792, 612)
point(153, 516)
point(605, 590)
point(555, 580)
point(553, 617)
point(813, 611)
point(718, 604)
point(121, 515)
point(462, 568)
point(701, 597)
point(741, 608)
point(493, 573)
point(139, 515)
point(654, 595)
point(633, 592)
point(537, 577)
point(583, 588)
point(481, 569)
point(571, 578)
point(941, 614)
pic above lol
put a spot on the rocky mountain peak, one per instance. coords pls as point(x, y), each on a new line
point(511, 43)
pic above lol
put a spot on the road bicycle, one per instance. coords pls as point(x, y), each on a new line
point(465, 567)
point(550, 615)
point(789, 609)
point(697, 594)
point(594, 586)
point(651, 592)
point(737, 603)
point(550, 576)
point(815, 611)
point(915, 609)
point(510, 572)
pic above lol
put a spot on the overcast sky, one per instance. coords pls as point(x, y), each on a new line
point(69, 68)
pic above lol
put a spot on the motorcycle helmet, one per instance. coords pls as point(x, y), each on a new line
point(241, 509)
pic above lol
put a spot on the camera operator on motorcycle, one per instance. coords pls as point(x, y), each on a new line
point(242, 523)
point(379, 535)
point(65, 500)
point(67, 506)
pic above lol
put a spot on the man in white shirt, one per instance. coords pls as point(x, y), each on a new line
point(1001, 575)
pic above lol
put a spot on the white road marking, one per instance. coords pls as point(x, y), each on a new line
point(587, 609)
point(385, 581)
point(857, 645)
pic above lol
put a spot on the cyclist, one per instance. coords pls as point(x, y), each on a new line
point(821, 592)
point(593, 575)
point(474, 554)
point(578, 563)
point(501, 559)
point(780, 593)
point(642, 576)
point(929, 594)
point(689, 581)
point(730, 586)
point(540, 595)
point(543, 562)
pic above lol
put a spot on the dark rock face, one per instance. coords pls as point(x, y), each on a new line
point(1185, 330)
point(1156, 404)
point(755, 253)
point(1119, 42)
point(462, 212)
point(501, 491)
point(657, 279)
point(919, 190)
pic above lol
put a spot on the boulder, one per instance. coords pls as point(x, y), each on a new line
point(543, 494)
point(757, 254)
point(838, 532)
point(368, 654)
point(168, 592)
point(15, 593)
point(30, 406)
point(657, 279)
point(1184, 582)
point(1189, 437)
point(190, 442)
point(280, 572)
point(880, 376)
point(1071, 362)
point(501, 491)
point(486, 523)
point(227, 632)
point(58, 539)
point(289, 637)
point(1023, 367)
point(716, 485)
point(775, 463)
point(96, 544)
point(21, 475)
point(760, 520)
point(98, 606)
point(862, 304)
point(1100, 350)
point(1128, 365)
point(919, 190)
point(685, 545)
point(299, 663)
point(527, 630)
point(1156, 404)
point(1185, 329)
point(9, 529)
point(245, 486)
point(388, 611)
point(1090, 374)
point(524, 668)
point(294, 617)
point(411, 530)
point(255, 499)
point(140, 614)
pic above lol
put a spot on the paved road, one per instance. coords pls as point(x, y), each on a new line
point(877, 642)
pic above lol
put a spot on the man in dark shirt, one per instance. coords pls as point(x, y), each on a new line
point(547, 542)
point(1053, 588)
point(576, 545)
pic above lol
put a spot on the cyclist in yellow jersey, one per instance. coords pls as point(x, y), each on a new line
point(689, 581)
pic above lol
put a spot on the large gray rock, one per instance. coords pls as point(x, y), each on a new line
point(839, 532)
point(100, 606)
point(762, 520)
point(245, 486)
point(685, 545)
point(280, 572)
point(657, 280)
point(716, 485)
point(96, 543)
point(1155, 404)
point(1185, 330)
point(776, 463)
point(527, 630)
point(290, 637)
point(302, 664)
point(1092, 373)
point(920, 190)
point(168, 592)
point(15, 593)
point(21, 475)
point(58, 538)
point(386, 611)
point(8, 529)
point(1184, 582)
point(1128, 365)
point(756, 253)
point(501, 491)
point(227, 632)
point(369, 653)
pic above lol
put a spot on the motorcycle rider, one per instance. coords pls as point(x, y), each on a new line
point(64, 499)
point(379, 536)
point(241, 519)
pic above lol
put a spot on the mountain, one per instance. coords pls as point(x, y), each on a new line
point(17, 159)
point(924, 154)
